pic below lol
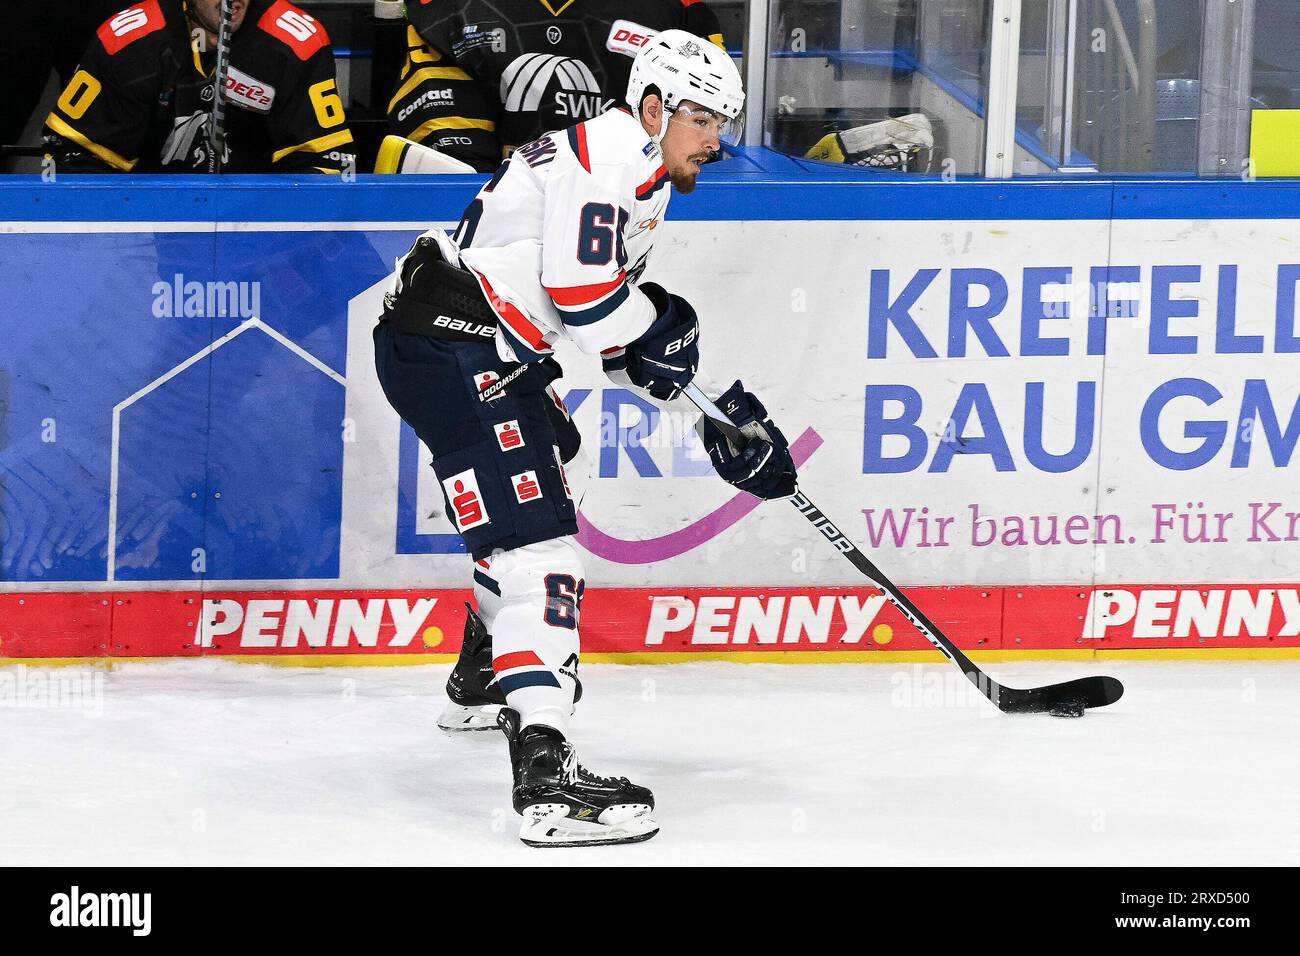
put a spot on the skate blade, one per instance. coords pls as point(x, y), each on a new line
point(547, 825)
point(457, 719)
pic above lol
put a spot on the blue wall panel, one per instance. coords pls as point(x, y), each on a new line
point(96, 309)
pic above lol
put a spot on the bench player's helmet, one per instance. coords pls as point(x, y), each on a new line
point(681, 66)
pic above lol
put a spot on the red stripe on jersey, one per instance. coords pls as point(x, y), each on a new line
point(299, 31)
point(517, 321)
point(518, 659)
point(647, 187)
point(582, 294)
point(122, 29)
point(689, 3)
point(582, 147)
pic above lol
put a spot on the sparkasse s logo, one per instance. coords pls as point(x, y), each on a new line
point(75, 909)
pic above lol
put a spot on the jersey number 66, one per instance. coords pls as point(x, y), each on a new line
point(600, 235)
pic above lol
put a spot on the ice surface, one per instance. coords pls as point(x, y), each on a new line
point(213, 762)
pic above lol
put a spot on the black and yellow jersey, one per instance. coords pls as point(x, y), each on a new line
point(483, 76)
point(141, 99)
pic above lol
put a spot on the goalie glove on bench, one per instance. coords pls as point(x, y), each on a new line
point(763, 467)
point(894, 144)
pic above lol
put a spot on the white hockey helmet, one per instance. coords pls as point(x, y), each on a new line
point(682, 66)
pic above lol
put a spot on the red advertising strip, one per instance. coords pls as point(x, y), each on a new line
point(783, 619)
point(628, 623)
point(55, 625)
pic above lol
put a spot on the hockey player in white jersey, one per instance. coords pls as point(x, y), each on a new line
point(554, 246)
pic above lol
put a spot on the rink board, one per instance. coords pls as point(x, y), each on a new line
point(1063, 416)
point(823, 624)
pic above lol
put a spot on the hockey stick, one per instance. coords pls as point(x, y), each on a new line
point(217, 128)
point(1068, 697)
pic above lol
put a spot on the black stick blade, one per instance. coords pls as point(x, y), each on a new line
point(1088, 691)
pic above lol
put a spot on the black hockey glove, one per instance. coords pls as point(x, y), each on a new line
point(763, 467)
point(663, 360)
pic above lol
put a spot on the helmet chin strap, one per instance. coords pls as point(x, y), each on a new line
point(657, 138)
point(664, 113)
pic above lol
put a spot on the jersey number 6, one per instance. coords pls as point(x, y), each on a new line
point(325, 101)
point(600, 235)
point(563, 600)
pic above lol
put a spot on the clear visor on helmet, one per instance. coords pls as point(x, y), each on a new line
point(708, 123)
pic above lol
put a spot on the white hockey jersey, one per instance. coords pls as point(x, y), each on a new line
point(562, 232)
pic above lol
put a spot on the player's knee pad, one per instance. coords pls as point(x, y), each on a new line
point(537, 593)
point(546, 577)
point(526, 577)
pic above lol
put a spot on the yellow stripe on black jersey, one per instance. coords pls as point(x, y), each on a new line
point(318, 145)
point(60, 126)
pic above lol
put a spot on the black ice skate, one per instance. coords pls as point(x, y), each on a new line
point(473, 700)
point(472, 704)
point(563, 803)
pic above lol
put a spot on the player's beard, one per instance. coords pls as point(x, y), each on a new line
point(683, 180)
point(683, 177)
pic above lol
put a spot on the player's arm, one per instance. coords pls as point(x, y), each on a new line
point(439, 104)
point(308, 126)
point(646, 336)
point(101, 120)
point(584, 259)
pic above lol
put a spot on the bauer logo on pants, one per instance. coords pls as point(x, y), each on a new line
point(526, 486)
point(467, 506)
point(509, 437)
